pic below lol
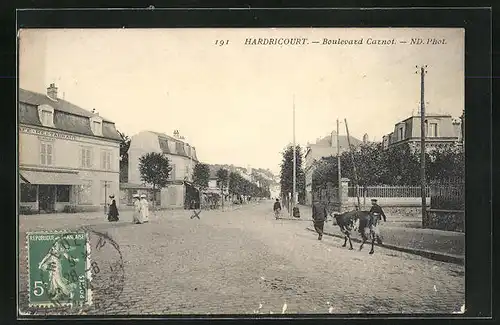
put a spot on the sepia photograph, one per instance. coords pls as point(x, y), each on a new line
point(241, 171)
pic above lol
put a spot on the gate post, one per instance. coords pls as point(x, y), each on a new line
point(344, 197)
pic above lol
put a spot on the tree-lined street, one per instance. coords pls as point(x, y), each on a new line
point(244, 261)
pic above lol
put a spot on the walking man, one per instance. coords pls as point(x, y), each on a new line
point(319, 215)
point(376, 213)
point(277, 209)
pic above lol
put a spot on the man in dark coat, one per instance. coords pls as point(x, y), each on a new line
point(277, 208)
point(113, 210)
point(375, 213)
point(319, 215)
point(377, 209)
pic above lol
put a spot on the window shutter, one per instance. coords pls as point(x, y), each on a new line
point(49, 154)
point(89, 158)
point(42, 153)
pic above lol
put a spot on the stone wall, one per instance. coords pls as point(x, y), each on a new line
point(450, 220)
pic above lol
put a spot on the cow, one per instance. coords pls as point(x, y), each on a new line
point(362, 221)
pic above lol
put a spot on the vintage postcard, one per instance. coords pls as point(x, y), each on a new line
point(260, 171)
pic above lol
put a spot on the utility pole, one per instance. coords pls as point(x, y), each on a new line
point(339, 174)
point(294, 160)
point(105, 197)
point(422, 145)
point(353, 165)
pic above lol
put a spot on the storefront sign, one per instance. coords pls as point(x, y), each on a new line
point(47, 133)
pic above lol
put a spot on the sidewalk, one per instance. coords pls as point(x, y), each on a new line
point(446, 246)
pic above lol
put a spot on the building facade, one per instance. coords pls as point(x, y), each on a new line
point(68, 156)
point(324, 147)
point(440, 130)
point(182, 157)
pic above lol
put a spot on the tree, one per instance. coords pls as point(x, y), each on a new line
point(155, 169)
point(124, 146)
point(201, 176)
point(286, 174)
point(234, 186)
point(222, 180)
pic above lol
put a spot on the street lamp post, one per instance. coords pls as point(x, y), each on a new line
point(294, 189)
point(422, 146)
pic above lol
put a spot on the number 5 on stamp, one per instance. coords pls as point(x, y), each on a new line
point(57, 264)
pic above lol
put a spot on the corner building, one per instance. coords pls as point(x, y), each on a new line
point(68, 156)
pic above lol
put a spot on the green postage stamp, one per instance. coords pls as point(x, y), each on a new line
point(58, 269)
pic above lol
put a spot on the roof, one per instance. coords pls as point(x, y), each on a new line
point(67, 117)
point(30, 97)
point(179, 145)
point(327, 141)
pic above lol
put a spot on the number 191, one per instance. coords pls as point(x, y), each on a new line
point(221, 42)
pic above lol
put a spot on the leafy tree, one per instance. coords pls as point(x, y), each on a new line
point(398, 165)
point(222, 181)
point(447, 163)
point(286, 174)
point(155, 169)
point(235, 182)
point(201, 176)
point(124, 146)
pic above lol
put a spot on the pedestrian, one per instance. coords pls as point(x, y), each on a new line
point(137, 209)
point(144, 208)
point(377, 209)
point(113, 210)
point(319, 216)
point(277, 209)
point(376, 212)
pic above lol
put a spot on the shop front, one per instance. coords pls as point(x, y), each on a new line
point(46, 192)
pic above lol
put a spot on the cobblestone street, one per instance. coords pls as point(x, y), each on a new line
point(245, 261)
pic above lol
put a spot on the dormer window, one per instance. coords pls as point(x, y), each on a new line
point(96, 125)
point(46, 115)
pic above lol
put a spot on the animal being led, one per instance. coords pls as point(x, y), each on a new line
point(362, 221)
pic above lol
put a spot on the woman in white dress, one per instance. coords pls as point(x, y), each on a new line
point(137, 209)
point(144, 208)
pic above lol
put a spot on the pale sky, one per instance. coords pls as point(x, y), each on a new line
point(234, 102)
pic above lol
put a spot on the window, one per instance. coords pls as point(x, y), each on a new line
point(86, 157)
point(96, 125)
point(106, 160)
point(432, 130)
point(400, 134)
point(187, 171)
point(46, 117)
point(46, 153)
point(85, 192)
point(63, 193)
point(172, 172)
point(28, 193)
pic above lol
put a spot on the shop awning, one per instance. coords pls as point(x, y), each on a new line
point(50, 178)
point(23, 180)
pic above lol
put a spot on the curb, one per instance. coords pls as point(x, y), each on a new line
point(442, 257)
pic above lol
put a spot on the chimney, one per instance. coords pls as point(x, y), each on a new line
point(52, 91)
point(365, 138)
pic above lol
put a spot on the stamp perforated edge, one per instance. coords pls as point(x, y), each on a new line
point(88, 272)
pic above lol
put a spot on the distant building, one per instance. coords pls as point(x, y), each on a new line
point(182, 157)
point(213, 186)
point(441, 129)
point(68, 156)
point(324, 147)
